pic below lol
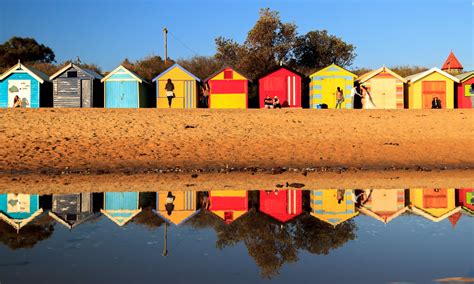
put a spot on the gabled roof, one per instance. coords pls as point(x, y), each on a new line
point(332, 66)
point(333, 219)
point(385, 220)
point(222, 69)
point(451, 62)
point(465, 76)
point(427, 215)
point(38, 75)
point(18, 224)
point(180, 218)
point(415, 77)
point(139, 79)
point(178, 66)
point(367, 76)
point(89, 72)
point(282, 67)
point(68, 225)
point(120, 217)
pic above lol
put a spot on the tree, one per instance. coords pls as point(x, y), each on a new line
point(148, 67)
point(201, 66)
point(27, 50)
point(28, 236)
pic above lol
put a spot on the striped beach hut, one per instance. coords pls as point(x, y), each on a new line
point(424, 86)
point(324, 83)
point(76, 87)
point(121, 207)
point(185, 88)
point(229, 205)
point(125, 89)
point(18, 210)
point(228, 89)
point(385, 204)
point(386, 88)
point(184, 206)
point(435, 204)
point(283, 83)
point(466, 199)
point(465, 90)
point(30, 85)
point(283, 205)
point(326, 207)
point(71, 210)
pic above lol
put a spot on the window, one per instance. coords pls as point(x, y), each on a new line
point(72, 74)
point(228, 74)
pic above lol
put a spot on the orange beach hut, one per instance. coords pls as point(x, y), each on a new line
point(385, 204)
point(228, 89)
point(229, 205)
point(185, 204)
point(435, 204)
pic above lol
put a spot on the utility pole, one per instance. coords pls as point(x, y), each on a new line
point(165, 34)
point(165, 240)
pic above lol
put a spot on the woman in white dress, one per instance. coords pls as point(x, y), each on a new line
point(369, 102)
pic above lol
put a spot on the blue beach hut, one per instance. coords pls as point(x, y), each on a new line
point(18, 210)
point(125, 89)
point(121, 207)
point(32, 86)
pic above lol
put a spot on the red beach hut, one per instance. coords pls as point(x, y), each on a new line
point(466, 198)
point(283, 205)
point(283, 83)
point(465, 90)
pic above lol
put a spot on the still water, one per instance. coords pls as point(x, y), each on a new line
point(281, 236)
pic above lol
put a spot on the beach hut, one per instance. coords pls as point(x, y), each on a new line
point(466, 199)
point(18, 210)
point(386, 88)
point(283, 83)
point(121, 207)
point(75, 87)
point(385, 204)
point(326, 207)
point(465, 90)
point(283, 205)
point(228, 89)
point(72, 210)
point(183, 206)
point(452, 65)
point(185, 88)
point(124, 89)
point(426, 85)
point(30, 85)
point(323, 86)
point(229, 205)
point(435, 204)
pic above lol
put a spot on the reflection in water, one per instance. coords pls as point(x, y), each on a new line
point(333, 206)
point(121, 207)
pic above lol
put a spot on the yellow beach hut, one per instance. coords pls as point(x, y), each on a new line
point(386, 88)
point(323, 85)
point(185, 88)
point(385, 204)
point(424, 86)
point(326, 206)
point(184, 206)
point(435, 204)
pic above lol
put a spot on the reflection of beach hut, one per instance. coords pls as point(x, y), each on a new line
point(283, 83)
point(32, 86)
point(228, 89)
point(185, 88)
point(19, 209)
point(74, 86)
point(385, 87)
point(466, 199)
point(324, 84)
point(282, 205)
point(72, 210)
point(434, 204)
point(326, 207)
point(185, 204)
point(385, 204)
point(124, 89)
point(229, 205)
point(465, 90)
point(424, 86)
point(121, 207)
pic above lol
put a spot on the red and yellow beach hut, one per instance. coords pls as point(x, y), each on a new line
point(283, 205)
point(185, 204)
point(385, 204)
point(229, 205)
point(228, 89)
point(466, 199)
point(326, 206)
point(465, 90)
point(283, 83)
point(435, 204)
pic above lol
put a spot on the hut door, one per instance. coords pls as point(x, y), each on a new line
point(328, 92)
point(431, 89)
point(86, 93)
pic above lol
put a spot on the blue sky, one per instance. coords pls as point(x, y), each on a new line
point(385, 32)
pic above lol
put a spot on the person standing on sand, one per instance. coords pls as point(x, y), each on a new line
point(169, 92)
point(169, 205)
point(205, 95)
point(369, 103)
point(356, 97)
point(339, 98)
point(205, 200)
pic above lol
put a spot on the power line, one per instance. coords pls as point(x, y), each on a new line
point(182, 43)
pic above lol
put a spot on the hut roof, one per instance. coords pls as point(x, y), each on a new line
point(177, 66)
point(367, 76)
point(427, 215)
point(455, 218)
point(133, 74)
point(222, 69)
point(465, 76)
point(178, 219)
point(418, 76)
point(18, 224)
point(120, 217)
point(333, 66)
point(89, 72)
point(283, 67)
point(38, 75)
point(69, 225)
point(451, 62)
point(383, 219)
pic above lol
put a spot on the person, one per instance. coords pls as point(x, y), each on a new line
point(205, 95)
point(369, 103)
point(433, 103)
point(438, 103)
point(16, 101)
point(169, 206)
point(339, 97)
point(356, 97)
point(169, 92)
point(276, 102)
point(268, 102)
point(340, 195)
point(205, 200)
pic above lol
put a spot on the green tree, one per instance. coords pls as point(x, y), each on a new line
point(28, 50)
point(148, 67)
point(29, 236)
point(201, 66)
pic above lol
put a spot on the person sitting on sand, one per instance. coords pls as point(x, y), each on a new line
point(169, 92)
point(276, 102)
point(169, 206)
point(16, 101)
point(268, 102)
point(433, 103)
point(438, 103)
point(339, 97)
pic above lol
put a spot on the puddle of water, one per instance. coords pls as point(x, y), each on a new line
point(235, 236)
